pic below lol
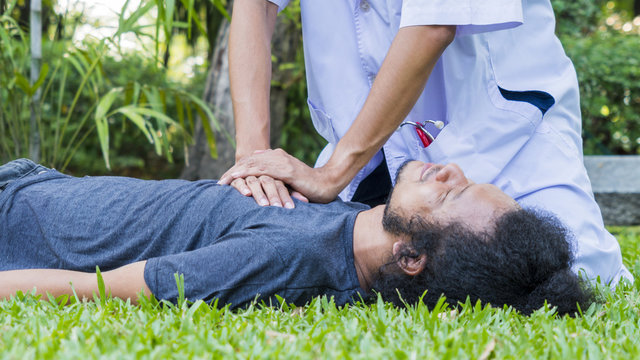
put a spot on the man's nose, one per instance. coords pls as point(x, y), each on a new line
point(451, 174)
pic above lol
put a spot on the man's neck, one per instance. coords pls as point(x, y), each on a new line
point(372, 246)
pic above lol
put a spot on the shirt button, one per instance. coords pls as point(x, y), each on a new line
point(364, 5)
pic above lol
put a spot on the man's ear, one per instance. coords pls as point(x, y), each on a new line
point(410, 265)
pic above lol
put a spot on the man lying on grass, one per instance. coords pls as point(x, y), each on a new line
point(439, 232)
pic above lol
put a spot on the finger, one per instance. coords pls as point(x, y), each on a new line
point(270, 190)
point(283, 192)
point(226, 178)
point(241, 185)
point(256, 190)
point(241, 169)
point(299, 196)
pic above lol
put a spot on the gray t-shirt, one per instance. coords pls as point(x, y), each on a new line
point(227, 247)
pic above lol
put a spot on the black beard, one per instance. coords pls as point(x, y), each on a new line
point(392, 222)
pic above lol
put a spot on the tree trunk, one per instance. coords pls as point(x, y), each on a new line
point(217, 93)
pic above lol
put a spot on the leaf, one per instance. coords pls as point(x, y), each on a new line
point(132, 114)
point(102, 126)
point(136, 92)
point(211, 140)
point(190, 118)
point(156, 143)
point(164, 140)
point(180, 284)
point(205, 107)
point(170, 6)
point(180, 111)
point(105, 103)
point(5, 44)
point(220, 5)
point(127, 25)
point(128, 95)
point(23, 84)
point(156, 114)
point(101, 288)
point(102, 123)
point(44, 71)
point(194, 308)
point(77, 61)
point(188, 4)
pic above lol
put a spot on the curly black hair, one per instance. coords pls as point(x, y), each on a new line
point(522, 262)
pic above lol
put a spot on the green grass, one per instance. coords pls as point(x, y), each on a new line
point(116, 329)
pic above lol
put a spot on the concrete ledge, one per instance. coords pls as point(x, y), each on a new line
point(616, 184)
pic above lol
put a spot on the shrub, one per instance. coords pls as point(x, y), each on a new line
point(608, 69)
point(85, 94)
point(576, 18)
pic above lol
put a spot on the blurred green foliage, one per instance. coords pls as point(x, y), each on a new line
point(131, 154)
point(577, 17)
point(91, 88)
point(604, 44)
point(608, 67)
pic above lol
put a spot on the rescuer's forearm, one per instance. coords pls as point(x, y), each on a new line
point(402, 78)
point(250, 35)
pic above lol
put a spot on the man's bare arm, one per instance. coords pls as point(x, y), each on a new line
point(125, 282)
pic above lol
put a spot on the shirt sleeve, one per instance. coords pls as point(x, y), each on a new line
point(281, 4)
point(471, 16)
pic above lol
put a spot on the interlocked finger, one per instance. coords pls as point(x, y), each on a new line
point(283, 191)
point(270, 190)
point(241, 185)
point(256, 190)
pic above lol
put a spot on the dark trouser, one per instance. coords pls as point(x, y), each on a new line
point(17, 169)
point(375, 188)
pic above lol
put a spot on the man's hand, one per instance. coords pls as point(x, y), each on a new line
point(267, 191)
point(276, 168)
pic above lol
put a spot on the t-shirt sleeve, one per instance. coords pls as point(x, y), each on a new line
point(470, 16)
point(281, 3)
point(235, 270)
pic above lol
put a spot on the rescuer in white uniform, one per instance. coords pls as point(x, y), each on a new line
point(493, 72)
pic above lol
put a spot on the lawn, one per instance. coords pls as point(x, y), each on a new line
point(116, 329)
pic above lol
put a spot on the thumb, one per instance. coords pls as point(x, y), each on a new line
point(299, 196)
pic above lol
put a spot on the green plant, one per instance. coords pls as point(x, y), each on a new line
point(606, 60)
point(79, 102)
point(577, 17)
point(609, 74)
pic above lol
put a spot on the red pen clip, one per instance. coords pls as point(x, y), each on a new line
point(425, 137)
